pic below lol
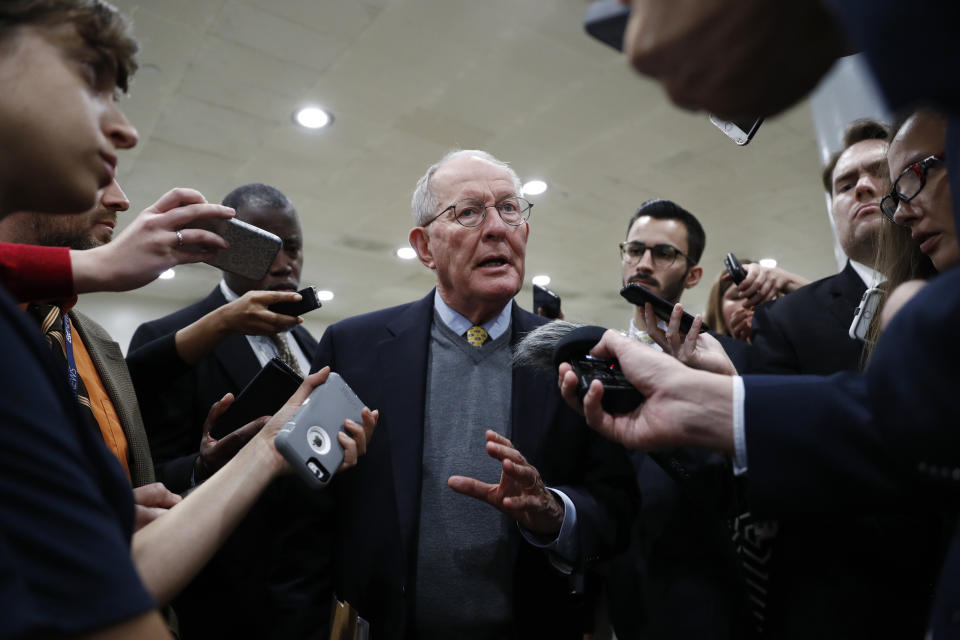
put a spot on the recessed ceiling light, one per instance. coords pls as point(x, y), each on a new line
point(406, 253)
point(166, 275)
point(325, 295)
point(534, 187)
point(312, 118)
point(770, 263)
point(542, 280)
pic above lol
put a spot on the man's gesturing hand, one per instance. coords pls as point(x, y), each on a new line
point(520, 493)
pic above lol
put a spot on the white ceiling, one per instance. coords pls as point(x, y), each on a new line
point(408, 80)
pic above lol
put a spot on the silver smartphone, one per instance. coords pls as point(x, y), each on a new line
point(309, 439)
point(740, 131)
point(865, 312)
point(251, 252)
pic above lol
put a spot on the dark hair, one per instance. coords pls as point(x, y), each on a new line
point(668, 210)
point(858, 131)
point(259, 196)
point(99, 23)
point(713, 315)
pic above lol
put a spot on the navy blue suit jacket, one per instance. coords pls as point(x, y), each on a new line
point(888, 437)
point(806, 331)
point(830, 574)
point(383, 357)
point(257, 575)
point(175, 397)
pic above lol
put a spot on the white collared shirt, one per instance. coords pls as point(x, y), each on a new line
point(871, 277)
point(262, 347)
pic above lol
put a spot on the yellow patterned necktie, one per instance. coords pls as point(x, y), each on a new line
point(477, 335)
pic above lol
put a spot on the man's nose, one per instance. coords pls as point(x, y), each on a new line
point(281, 266)
point(115, 125)
point(646, 260)
point(868, 186)
point(493, 224)
point(114, 198)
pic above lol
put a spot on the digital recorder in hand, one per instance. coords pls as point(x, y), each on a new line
point(309, 439)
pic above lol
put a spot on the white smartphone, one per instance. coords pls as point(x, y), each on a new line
point(865, 312)
point(740, 131)
point(251, 252)
point(309, 440)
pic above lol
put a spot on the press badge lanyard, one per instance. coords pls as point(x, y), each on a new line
point(72, 374)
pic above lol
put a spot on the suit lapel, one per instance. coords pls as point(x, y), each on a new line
point(237, 359)
point(111, 367)
point(306, 341)
point(403, 361)
point(845, 292)
point(235, 355)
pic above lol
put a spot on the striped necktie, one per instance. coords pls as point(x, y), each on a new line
point(285, 353)
point(55, 327)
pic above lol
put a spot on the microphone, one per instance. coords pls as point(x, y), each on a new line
point(547, 346)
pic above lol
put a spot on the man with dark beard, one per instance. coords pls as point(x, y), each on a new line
point(663, 246)
point(681, 558)
point(109, 399)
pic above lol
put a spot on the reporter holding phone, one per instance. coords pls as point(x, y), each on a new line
point(871, 441)
point(183, 363)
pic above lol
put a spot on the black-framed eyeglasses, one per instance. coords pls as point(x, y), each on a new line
point(471, 212)
point(663, 255)
point(908, 184)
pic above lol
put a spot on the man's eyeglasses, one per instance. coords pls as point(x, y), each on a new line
point(663, 255)
point(471, 213)
point(908, 184)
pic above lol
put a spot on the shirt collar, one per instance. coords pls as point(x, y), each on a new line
point(459, 324)
point(870, 277)
point(227, 292)
point(644, 337)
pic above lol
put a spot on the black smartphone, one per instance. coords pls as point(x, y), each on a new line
point(639, 295)
point(547, 301)
point(734, 268)
point(263, 396)
point(619, 396)
point(309, 301)
point(606, 20)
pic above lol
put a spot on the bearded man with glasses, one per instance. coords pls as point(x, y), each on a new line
point(486, 488)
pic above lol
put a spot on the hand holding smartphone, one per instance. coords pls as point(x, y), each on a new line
point(639, 295)
point(546, 302)
point(734, 268)
point(309, 300)
point(251, 252)
point(309, 439)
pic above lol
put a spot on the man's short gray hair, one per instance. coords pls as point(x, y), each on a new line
point(425, 204)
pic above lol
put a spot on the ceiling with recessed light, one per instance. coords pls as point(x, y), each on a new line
point(408, 80)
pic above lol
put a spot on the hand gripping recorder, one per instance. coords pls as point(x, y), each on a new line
point(309, 440)
point(619, 396)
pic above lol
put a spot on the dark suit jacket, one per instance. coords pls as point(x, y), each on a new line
point(681, 557)
point(108, 360)
point(830, 574)
point(806, 331)
point(383, 357)
point(175, 397)
point(251, 584)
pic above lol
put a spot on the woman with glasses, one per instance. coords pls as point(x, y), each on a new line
point(923, 238)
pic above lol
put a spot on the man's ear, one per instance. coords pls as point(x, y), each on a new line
point(420, 241)
point(693, 277)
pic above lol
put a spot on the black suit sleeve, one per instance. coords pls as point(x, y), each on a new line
point(159, 377)
point(772, 351)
